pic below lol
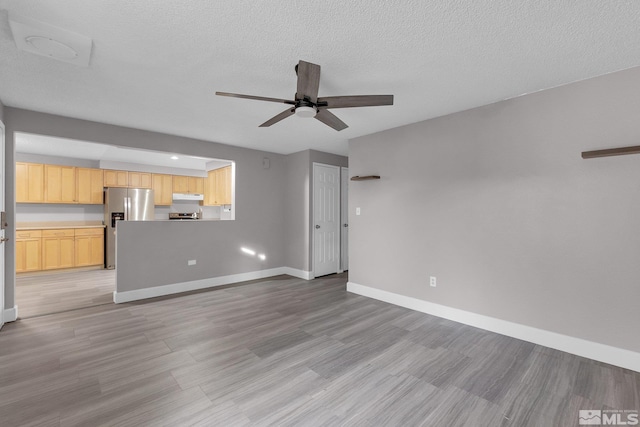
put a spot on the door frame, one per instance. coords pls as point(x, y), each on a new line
point(3, 285)
point(344, 219)
point(313, 217)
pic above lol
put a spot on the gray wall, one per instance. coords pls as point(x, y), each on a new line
point(215, 245)
point(259, 192)
point(299, 204)
point(497, 203)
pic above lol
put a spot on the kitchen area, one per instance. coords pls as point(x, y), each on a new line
point(70, 197)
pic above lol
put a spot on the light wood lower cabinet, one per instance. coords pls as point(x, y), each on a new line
point(89, 247)
point(57, 249)
point(28, 251)
point(60, 248)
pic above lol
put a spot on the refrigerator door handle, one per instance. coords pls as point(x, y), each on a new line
point(127, 206)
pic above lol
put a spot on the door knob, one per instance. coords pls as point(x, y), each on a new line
point(317, 226)
point(4, 239)
point(345, 225)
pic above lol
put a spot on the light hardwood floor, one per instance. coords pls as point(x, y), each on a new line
point(288, 352)
point(53, 292)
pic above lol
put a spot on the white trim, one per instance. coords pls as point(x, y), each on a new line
point(176, 288)
point(592, 350)
point(11, 314)
point(300, 274)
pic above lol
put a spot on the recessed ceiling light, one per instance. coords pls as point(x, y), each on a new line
point(174, 157)
point(50, 47)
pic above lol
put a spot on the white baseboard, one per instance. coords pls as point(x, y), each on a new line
point(11, 314)
point(300, 274)
point(176, 288)
point(589, 349)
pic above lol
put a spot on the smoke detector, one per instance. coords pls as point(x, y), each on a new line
point(52, 42)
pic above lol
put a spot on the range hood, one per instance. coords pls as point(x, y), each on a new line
point(188, 196)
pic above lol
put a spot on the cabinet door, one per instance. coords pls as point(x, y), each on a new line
point(29, 183)
point(196, 185)
point(180, 184)
point(59, 184)
point(115, 178)
point(225, 188)
point(28, 255)
point(89, 186)
point(57, 249)
point(162, 189)
point(89, 247)
point(139, 180)
point(210, 189)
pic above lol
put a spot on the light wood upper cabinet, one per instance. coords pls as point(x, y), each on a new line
point(29, 183)
point(115, 178)
point(217, 187)
point(139, 179)
point(162, 189)
point(180, 184)
point(196, 185)
point(28, 251)
point(89, 186)
point(89, 247)
point(58, 249)
point(223, 185)
point(59, 184)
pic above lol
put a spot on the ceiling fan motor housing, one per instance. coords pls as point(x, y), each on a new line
point(305, 109)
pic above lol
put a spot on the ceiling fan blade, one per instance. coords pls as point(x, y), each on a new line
point(308, 80)
point(331, 120)
point(277, 118)
point(257, 98)
point(354, 101)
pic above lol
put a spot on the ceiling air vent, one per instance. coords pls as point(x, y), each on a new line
point(46, 40)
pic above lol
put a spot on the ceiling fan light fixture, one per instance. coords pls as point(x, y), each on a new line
point(306, 112)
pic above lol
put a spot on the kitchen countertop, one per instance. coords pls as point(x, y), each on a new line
point(51, 225)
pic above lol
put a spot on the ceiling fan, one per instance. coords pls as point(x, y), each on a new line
point(308, 104)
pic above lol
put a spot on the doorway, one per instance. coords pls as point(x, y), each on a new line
point(326, 219)
point(2, 226)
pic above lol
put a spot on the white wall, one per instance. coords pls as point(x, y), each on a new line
point(497, 203)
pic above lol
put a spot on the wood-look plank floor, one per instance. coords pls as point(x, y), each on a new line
point(288, 352)
point(38, 294)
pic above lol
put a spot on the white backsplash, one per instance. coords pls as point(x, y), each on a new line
point(38, 212)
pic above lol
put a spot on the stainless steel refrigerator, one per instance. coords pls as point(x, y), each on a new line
point(124, 204)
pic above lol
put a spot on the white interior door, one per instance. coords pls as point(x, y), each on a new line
point(326, 219)
point(344, 219)
point(2, 290)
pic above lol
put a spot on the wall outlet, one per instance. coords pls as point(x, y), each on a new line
point(432, 281)
point(357, 211)
point(191, 262)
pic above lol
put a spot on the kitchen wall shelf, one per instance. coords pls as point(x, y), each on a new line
point(364, 178)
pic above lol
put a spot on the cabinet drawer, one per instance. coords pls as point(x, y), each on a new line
point(28, 234)
point(62, 232)
point(89, 231)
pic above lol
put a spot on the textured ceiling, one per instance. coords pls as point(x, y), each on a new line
point(156, 64)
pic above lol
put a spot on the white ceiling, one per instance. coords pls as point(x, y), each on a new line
point(156, 64)
point(62, 147)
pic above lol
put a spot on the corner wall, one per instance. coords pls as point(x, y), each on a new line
point(299, 205)
point(497, 203)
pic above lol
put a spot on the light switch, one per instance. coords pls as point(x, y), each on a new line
point(357, 211)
